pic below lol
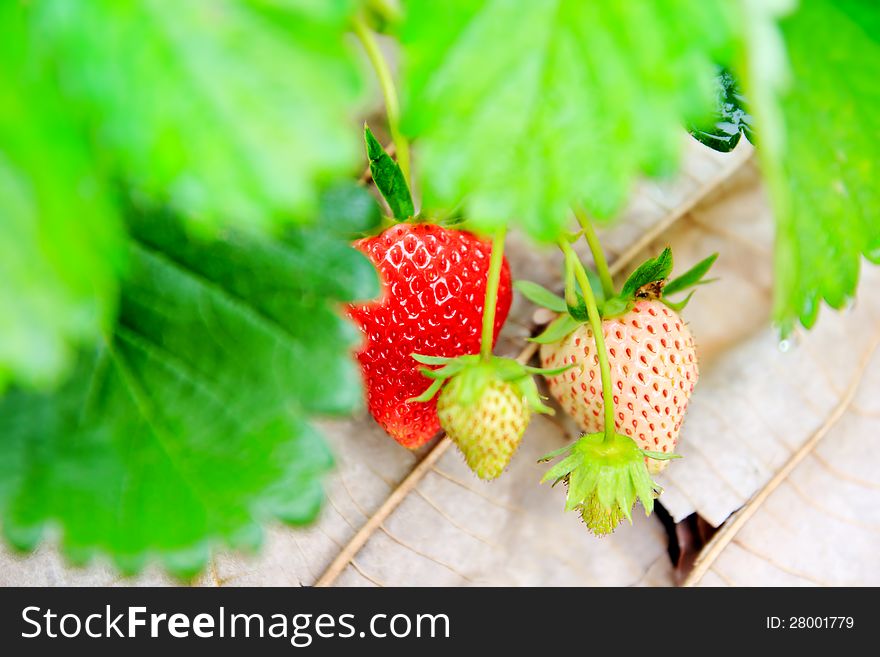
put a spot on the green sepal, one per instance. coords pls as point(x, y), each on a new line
point(678, 306)
point(388, 177)
point(574, 302)
point(692, 277)
point(507, 369)
point(653, 270)
point(529, 391)
point(383, 17)
point(429, 393)
point(549, 371)
point(596, 286)
point(561, 470)
point(650, 271)
point(541, 296)
point(549, 456)
point(616, 306)
point(605, 479)
point(557, 329)
point(660, 456)
point(431, 360)
point(476, 374)
point(446, 371)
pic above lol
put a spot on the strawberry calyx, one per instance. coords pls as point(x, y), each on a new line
point(650, 280)
point(605, 478)
point(475, 374)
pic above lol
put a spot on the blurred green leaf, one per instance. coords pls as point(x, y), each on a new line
point(190, 424)
point(228, 110)
point(61, 243)
point(823, 170)
point(348, 209)
point(521, 108)
point(231, 112)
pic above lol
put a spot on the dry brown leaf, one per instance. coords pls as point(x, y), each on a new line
point(815, 522)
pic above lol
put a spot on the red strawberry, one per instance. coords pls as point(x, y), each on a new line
point(653, 371)
point(434, 287)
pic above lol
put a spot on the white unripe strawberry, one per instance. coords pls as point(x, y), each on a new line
point(653, 372)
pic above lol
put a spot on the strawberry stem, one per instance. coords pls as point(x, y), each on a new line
point(596, 250)
point(389, 91)
point(580, 274)
point(493, 279)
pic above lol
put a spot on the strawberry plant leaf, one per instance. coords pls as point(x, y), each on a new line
point(389, 178)
point(823, 170)
point(348, 210)
point(230, 111)
point(541, 296)
point(521, 108)
point(189, 424)
point(61, 243)
point(731, 120)
point(693, 276)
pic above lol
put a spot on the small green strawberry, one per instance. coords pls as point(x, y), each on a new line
point(490, 428)
point(605, 479)
point(484, 407)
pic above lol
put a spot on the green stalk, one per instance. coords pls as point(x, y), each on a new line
point(580, 274)
point(389, 92)
point(596, 250)
point(493, 279)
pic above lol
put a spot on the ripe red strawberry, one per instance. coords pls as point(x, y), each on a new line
point(434, 287)
point(653, 372)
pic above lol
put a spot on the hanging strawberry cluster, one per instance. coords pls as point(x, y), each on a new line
point(621, 362)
